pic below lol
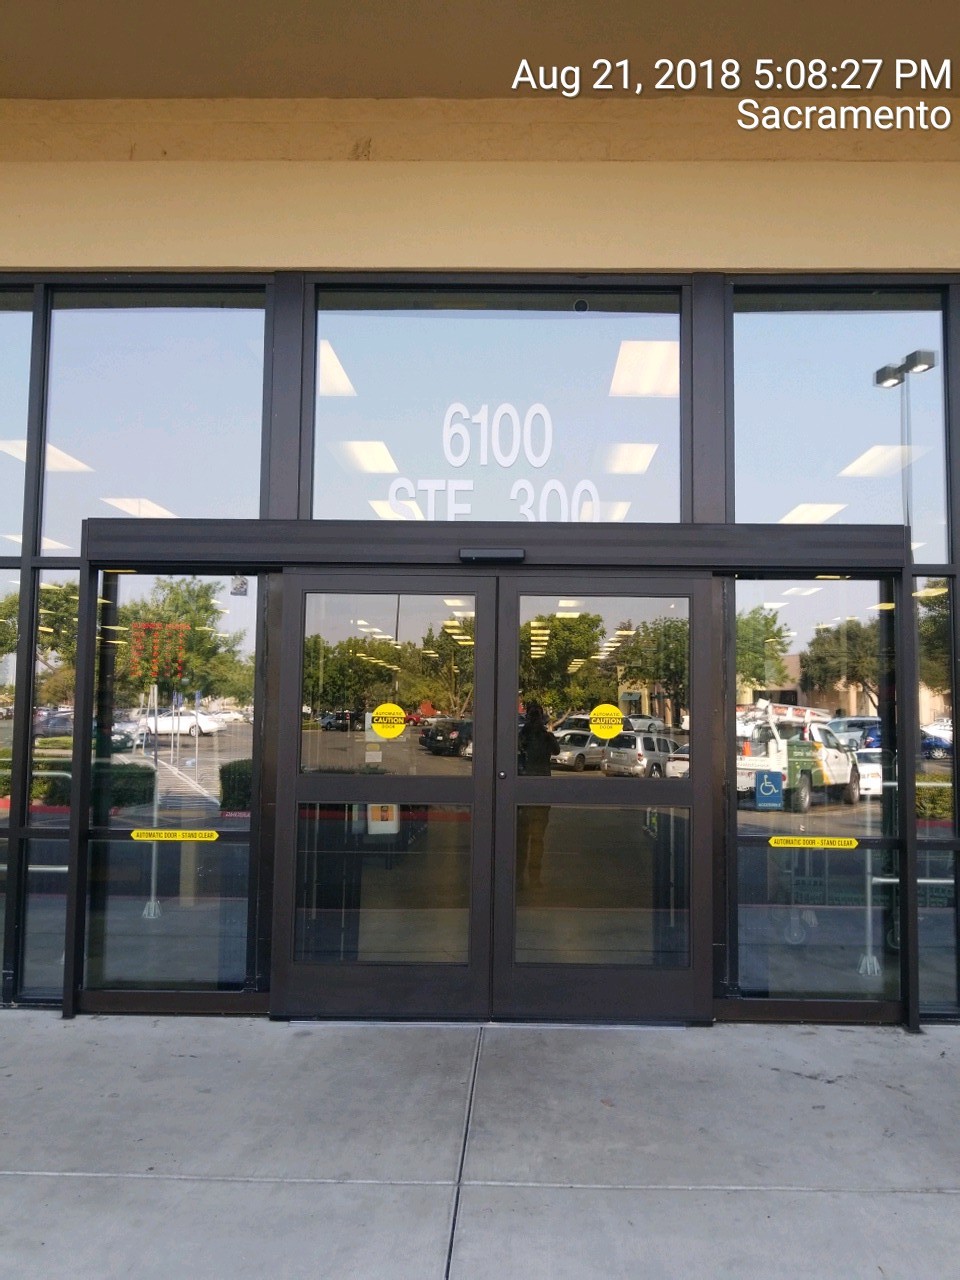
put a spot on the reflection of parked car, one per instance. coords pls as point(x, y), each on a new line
point(578, 751)
point(870, 764)
point(637, 755)
point(185, 721)
point(55, 725)
point(854, 731)
point(935, 747)
point(942, 727)
point(451, 737)
point(644, 724)
point(678, 762)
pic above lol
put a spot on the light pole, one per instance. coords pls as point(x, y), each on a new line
point(895, 375)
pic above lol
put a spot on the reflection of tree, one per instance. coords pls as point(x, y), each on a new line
point(658, 654)
point(847, 654)
point(761, 645)
point(933, 624)
point(200, 658)
point(566, 676)
point(57, 642)
point(9, 613)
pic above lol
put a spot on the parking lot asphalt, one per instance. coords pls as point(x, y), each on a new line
point(215, 1148)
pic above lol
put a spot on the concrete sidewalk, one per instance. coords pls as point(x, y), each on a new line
point(142, 1147)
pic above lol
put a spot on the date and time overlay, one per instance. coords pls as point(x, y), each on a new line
point(765, 91)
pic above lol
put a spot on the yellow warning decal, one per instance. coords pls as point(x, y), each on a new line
point(387, 720)
point(813, 842)
point(166, 834)
point(606, 720)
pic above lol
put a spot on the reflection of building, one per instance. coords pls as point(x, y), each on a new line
point(367, 342)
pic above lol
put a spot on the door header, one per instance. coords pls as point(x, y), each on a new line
point(265, 545)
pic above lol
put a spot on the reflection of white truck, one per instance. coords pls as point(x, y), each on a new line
point(796, 743)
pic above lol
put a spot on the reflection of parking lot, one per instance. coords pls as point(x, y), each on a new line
point(193, 764)
point(331, 752)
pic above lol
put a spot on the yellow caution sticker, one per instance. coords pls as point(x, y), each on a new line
point(606, 720)
point(387, 720)
point(164, 833)
point(813, 842)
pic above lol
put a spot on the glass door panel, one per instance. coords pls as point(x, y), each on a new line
point(601, 844)
point(384, 822)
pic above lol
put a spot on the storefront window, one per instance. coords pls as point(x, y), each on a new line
point(561, 408)
point(852, 384)
point(9, 629)
point(815, 710)
point(154, 408)
point(935, 765)
point(54, 690)
point(816, 769)
point(173, 725)
point(15, 334)
point(170, 913)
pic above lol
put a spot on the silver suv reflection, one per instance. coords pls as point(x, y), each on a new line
point(637, 755)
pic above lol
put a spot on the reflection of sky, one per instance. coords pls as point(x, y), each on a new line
point(15, 328)
point(802, 604)
point(408, 367)
point(346, 616)
point(163, 404)
point(807, 407)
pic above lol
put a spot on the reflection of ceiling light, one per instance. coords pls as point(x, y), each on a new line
point(885, 605)
point(774, 604)
point(383, 509)
point(569, 604)
point(915, 546)
point(332, 378)
point(455, 604)
point(56, 459)
point(801, 591)
point(371, 456)
point(647, 369)
point(883, 460)
point(46, 544)
point(144, 508)
point(832, 577)
point(568, 613)
point(628, 459)
point(812, 512)
point(927, 593)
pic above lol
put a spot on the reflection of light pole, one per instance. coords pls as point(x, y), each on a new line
point(895, 375)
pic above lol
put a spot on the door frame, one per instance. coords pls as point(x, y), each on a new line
point(268, 547)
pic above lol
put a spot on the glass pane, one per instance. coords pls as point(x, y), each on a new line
point(54, 685)
point(16, 324)
point(853, 384)
point(611, 674)
point(9, 630)
point(45, 918)
point(602, 886)
point(388, 684)
point(383, 883)
point(498, 408)
point(173, 726)
point(815, 708)
point(935, 768)
point(4, 855)
point(155, 407)
point(819, 923)
point(937, 897)
point(169, 914)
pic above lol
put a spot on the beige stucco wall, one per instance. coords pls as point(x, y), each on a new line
point(219, 185)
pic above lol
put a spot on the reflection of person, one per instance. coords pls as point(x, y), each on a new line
point(535, 747)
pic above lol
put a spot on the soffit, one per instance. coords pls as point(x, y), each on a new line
point(417, 48)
